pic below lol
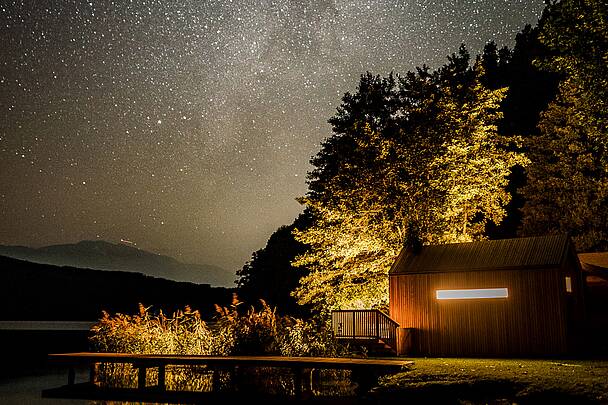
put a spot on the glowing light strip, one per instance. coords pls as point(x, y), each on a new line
point(472, 294)
point(568, 284)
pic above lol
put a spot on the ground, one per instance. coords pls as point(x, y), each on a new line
point(498, 381)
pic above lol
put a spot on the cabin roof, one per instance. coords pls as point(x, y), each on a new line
point(503, 254)
point(595, 265)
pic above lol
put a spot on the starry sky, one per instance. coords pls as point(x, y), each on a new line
point(187, 126)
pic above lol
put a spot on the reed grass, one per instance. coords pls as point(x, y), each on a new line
point(233, 332)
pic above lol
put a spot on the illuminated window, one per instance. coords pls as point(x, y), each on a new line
point(472, 294)
point(568, 284)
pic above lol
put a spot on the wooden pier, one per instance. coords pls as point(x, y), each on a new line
point(365, 373)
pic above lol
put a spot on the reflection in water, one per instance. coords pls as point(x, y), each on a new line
point(26, 390)
point(262, 380)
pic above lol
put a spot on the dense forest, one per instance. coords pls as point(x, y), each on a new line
point(511, 142)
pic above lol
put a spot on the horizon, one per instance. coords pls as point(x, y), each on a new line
point(187, 129)
point(109, 256)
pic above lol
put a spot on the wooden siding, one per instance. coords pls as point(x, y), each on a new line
point(533, 320)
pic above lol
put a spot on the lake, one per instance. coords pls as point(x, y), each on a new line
point(46, 325)
point(26, 344)
point(26, 390)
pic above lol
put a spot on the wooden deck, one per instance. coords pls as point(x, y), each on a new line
point(366, 327)
point(365, 373)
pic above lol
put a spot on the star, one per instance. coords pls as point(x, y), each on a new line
point(206, 112)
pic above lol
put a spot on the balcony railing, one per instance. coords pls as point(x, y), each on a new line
point(364, 325)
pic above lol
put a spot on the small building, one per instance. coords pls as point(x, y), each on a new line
point(504, 298)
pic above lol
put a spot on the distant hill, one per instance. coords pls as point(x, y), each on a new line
point(33, 291)
point(101, 255)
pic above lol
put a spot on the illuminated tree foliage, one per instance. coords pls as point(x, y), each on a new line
point(567, 188)
point(412, 159)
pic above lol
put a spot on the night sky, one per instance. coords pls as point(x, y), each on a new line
point(187, 126)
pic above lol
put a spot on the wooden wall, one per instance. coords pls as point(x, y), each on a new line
point(532, 321)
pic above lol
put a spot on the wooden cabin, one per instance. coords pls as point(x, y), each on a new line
point(504, 298)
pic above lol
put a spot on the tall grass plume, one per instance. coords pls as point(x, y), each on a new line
point(232, 332)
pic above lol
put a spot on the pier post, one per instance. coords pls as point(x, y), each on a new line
point(161, 377)
point(297, 382)
point(141, 377)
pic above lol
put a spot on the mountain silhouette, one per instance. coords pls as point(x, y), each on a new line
point(102, 255)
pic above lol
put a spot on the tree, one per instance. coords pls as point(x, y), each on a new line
point(472, 173)
point(421, 151)
point(495, 63)
point(530, 89)
point(269, 274)
point(567, 188)
point(577, 33)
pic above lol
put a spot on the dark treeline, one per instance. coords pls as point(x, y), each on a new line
point(269, 275)
point(509, 143)
point(32, 291)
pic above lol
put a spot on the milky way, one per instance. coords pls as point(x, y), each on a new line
point(187, 126)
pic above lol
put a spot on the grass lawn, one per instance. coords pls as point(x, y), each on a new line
point(498, 381)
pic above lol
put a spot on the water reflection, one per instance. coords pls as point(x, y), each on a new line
point(27, 389)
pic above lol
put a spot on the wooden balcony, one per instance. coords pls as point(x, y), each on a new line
point(367, 327)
